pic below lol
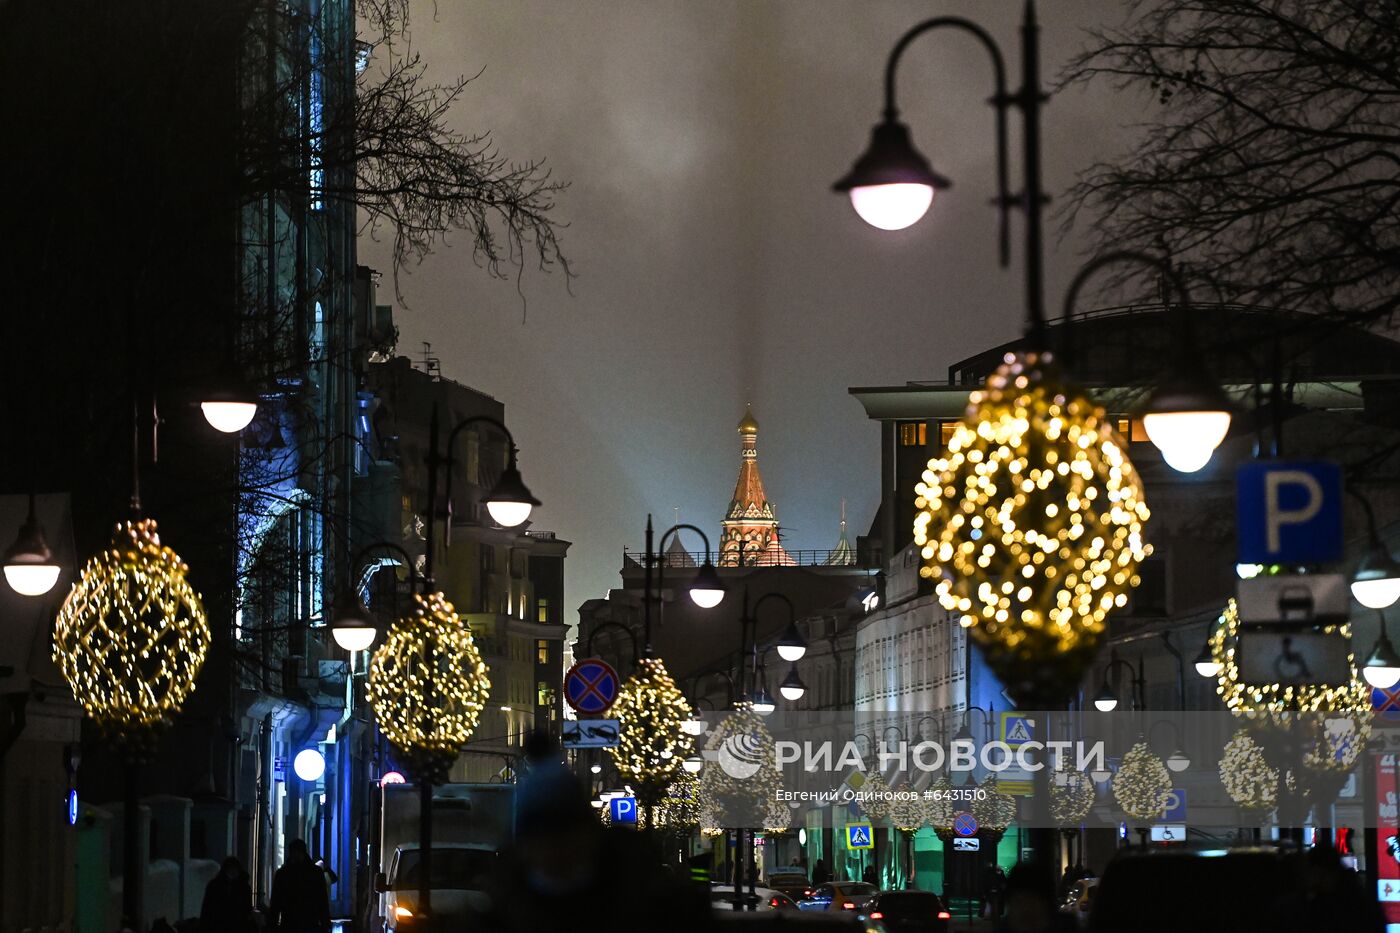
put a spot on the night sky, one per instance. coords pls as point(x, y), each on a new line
point(714, 264)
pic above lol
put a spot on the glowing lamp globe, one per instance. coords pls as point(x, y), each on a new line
point(763, 703)
point(891, 186)
point(792, 687)
point(30, 569)
point(596, 768)
point(1186, 438)
point(792, 646)
point(1382, 668)
point(695, 725)
point(1209, 668)
point(229, 415)
point(1178, 761)
point(1376, 583)
point(707, 590)
point(309, 765)
point(693, 764)
point(510, 501)
point(392, 777)
point(1106, 704)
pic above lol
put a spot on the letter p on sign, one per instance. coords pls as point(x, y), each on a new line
point(1289, 511)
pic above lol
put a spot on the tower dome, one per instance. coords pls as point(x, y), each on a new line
point(748, 425)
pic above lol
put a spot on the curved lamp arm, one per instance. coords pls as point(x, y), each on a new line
point(362, 553)
point(660, 555)
point(1085, 272)
point(700, 679)
point(631, 635)
point(1001, 101)
point(449, 458)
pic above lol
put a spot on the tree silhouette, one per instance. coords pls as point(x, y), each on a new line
point(1270, 166)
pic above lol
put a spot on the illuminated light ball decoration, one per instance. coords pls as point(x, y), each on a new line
point(908, 814)
point(428, 686)
point(1032, 526)
point(879, 804)
point(1352, 697)
point(1071, 797)
point(993, 811)
point(1246, 776)
point(651, 747)
point(743, 800)
point(132, 636)
point(939, 808)
point(1142, 785)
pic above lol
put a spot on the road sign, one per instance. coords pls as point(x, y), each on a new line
point(1311, 598)
point(1169, 832)
point(966, 845)
point(859, 836)
point(1289, 511)
point(623, 810)
point(1176, 806)
point(1269, 656)
point(964, 824)
point(590, 686)
point(1017, 729)
point(590, 733)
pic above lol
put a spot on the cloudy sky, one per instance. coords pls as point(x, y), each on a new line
point(715, 266)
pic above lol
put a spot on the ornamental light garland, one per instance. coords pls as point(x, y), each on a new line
point(993, 810)
point(878, 800)
point(907, 812)
point(1351, 697)
point(1032, 525)
point(132, 635)
point(651, 746)
point(1246, 776)
point(742, 780)
point(1071, 797)
point(1142, 785)
point(428, 685)
point(940, 810)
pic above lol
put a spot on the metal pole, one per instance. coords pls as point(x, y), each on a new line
point(425, 780)
point(133, 871)
point(646, 590)
point(1031, 101)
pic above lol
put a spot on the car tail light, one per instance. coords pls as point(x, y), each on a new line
point(848, 905)
point(877, 915)
point(403, 913)
point(774, 902)
point(806, 893)
point(944, 915)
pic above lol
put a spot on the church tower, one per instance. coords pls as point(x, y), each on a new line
point(749, 535)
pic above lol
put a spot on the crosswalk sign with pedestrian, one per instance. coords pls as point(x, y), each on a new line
point(1016, 730)
point(859, 836)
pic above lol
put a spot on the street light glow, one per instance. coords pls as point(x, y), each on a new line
point(892, 207)
point(29, 565)
point(229, 415)
point(707, 590)
point(309, 765)
point(1186, 438)
point(1376, 583)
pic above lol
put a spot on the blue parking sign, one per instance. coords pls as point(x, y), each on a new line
point(624, 810)
point(1289, 511)
point(1176, 806)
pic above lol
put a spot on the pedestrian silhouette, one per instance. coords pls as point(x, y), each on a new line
point(299, 902)
point(228, 901)
point(819, 873)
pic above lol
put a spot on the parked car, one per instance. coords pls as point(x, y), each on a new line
point(722, 898)
point(791, 881)
point(1080, 900)
point(908, 912)
point(839, 895)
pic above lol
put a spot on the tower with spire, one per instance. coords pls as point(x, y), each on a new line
point(749, 533)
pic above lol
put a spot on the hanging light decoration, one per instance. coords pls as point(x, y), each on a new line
point(1246, 776)
point(679, 808)
point(132, 635)
point(1032, 524)
point(908, 813)
point(1071, 797)
point(939, 809)
point(1351, 697)
point(877, 801)
point(743, 782)
point(993, 811)
point(652, 744)
point(428, 685)
point(1142, 785)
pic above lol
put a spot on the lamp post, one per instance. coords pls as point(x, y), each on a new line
point(509, 503)
point(706, 590)
point(1107, 699)
point(354, 626)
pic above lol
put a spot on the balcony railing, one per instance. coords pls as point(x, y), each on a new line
point(800, 558)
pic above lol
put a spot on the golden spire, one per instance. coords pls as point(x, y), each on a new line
point(748, 425)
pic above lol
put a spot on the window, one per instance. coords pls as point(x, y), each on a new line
point(913, 434)
point(945, 432)
point(541, 651)
point(1132, 430)
point(542, 608)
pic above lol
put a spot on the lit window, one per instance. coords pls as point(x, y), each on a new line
point(913, 434)
point(542, 651)
point(542, 608)
point(945, 432)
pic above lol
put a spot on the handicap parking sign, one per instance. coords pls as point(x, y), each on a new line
point(859, 836)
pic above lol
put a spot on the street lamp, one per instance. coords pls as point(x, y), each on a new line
point(792, 687)
point(229, 410)
point(1206, 664)
point(763, 703)
point(693, 764)
point(792, 646)
point(509, 501)
point(1382, 668)
point(1376, 582)
point(1186, 417)
point(29, 565)
point(706, 589)
point(309, 765)
point(1107, 700)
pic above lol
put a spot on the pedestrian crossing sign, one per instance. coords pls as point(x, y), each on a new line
point(859, 836)
point(1017, 729)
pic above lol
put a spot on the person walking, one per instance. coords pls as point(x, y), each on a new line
point(299, 902)
point(819, 873)
point(228, 901)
